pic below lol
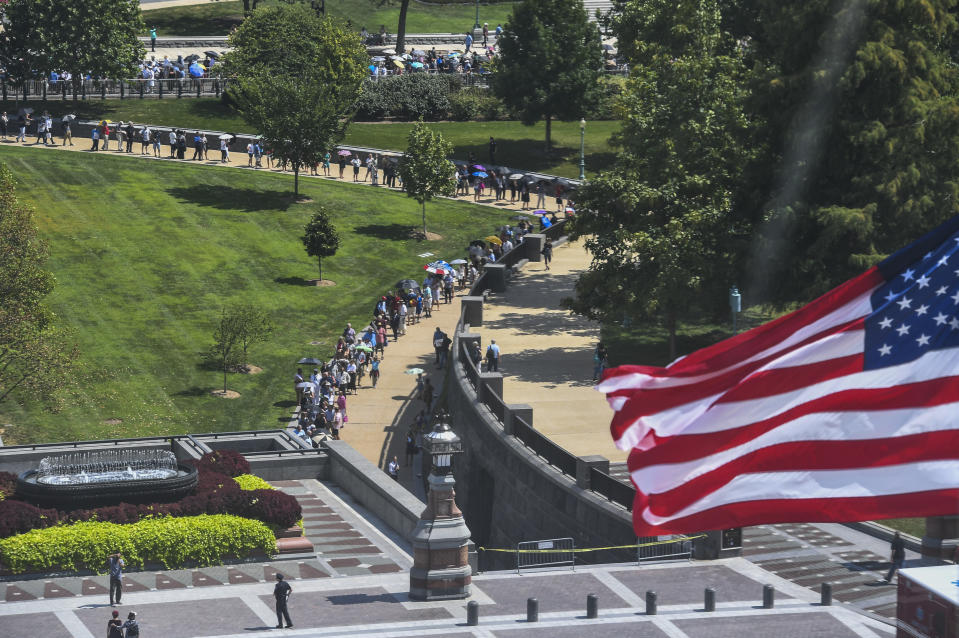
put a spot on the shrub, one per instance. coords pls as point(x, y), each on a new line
point(8, 485)
point(472, 104)
point(172, 542)
point(252, 482)
point(273, 507)
point(408, 96)
point(223, 462)
point(17, 517)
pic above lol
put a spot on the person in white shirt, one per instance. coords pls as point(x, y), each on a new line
point(393, 469)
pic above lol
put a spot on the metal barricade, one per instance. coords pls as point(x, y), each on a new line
point(553, 552)
point(668, 547)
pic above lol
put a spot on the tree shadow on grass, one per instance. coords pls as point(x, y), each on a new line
point(284, 404)
point(391, 232)
point(293, 281)
point(195, 391)
point(228, 198)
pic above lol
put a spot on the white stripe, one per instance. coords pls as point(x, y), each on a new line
point(829, 426)
point(824, 484)
point(858, 307)
point(681, 418)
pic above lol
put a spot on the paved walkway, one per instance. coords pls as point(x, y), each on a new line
point(547, 354)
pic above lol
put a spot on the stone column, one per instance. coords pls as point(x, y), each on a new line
point(942, 537)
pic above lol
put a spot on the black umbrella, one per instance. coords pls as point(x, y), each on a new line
point(407, 284)
point(211, 54)
point(191, 58)
point(562, 182)
point(310, 361)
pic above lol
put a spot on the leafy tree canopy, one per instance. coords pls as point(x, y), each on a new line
point(320, 237)
point(425, 168)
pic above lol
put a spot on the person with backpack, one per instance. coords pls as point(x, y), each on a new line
point(131, 626)
point(492, 356)
point(115, 626)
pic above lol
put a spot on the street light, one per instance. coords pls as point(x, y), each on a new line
point(582, 148)
point(442, 444)
point(477, 25)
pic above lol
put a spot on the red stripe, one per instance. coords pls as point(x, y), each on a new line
point(733, 350)
point(687, 447)
point(833, 510)
point(650, 401)
point(812, 455)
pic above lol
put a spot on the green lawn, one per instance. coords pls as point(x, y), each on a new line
point(518, 146)
point(146, 253)
point(914, 526)
point(219, 18)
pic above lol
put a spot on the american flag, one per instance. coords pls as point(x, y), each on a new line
point(844, 410)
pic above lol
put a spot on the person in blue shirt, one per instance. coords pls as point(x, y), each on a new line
point(468, 42)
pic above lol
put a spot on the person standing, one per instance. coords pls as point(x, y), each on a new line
point(197, 146)
point(67, 133)
point(95, 136)
point(492, 150)
point(116, 565)
point(486, 37)
point(438, 337)
point(492, 356)
point(547, 252)
point(393, 469)
point(411, 447)
point(4, 120)
point(468, 44)
point(131, 626)
point(115, 626)
point(153, 38)
point(281, 592)
point(898, 550)
point(106, 135)
point(600, 360)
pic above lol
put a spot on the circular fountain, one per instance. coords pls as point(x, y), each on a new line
point(106, 477)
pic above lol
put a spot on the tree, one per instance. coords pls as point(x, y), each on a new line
point(424, 168)
point(401, 23)
point(662, 224)
point(98, 37)
point(32, 346)
point(255, 327)
point(550, 63)
point(297, 79)
point(320, 238)
point(226, 350)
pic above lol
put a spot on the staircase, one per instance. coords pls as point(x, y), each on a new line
point(592, 5)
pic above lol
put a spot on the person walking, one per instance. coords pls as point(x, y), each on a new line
point(393, 469)
point(95, 136)
point(547, 252)
point(131, 626)
point(411, 447)
point(65, 126)
point(106, 136)
point(282, 592)
point(600, 360)
point(197, 146)
point(468, 44)
point(375, 371)
point(492, 356)
point(898, 550)
point(4, 120)
point(115, 626)
point(486, 39)
point(115, 563)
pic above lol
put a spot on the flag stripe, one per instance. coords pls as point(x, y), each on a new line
point(802, 456)
point(916, 504)
point(930, 393)
point(822, 484)
point(810, 438)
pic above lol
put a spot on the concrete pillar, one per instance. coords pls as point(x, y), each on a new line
point(583, 466)
point(534, 246)
point(472, 310)
point(942, 537)
point(441, 569)
point(495, 277)
point(520, 410)
point(489, 382)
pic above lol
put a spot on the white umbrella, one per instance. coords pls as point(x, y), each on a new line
point(226, 136)
point(414, 371)
point(389, 51)
point(69, 118)
point(457, 262)
point(304, 384)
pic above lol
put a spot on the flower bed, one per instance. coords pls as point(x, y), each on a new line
point(170, 541)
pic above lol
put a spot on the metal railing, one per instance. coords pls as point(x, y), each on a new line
point(546, 449)
point(612, 489)
point(132, 88)
point(495, 404)
point(553, 552)
point(679, 548)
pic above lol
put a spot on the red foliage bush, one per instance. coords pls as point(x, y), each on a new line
point(273, 506)
point(223, 462)
point(8, 485)
point(17, 517)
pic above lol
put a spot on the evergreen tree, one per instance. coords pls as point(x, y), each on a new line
point(320, 238)
point(550, 64)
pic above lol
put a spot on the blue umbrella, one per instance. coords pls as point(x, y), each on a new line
point(416, 65)
point(480, 174)
point(196, 71)
point(373, 68)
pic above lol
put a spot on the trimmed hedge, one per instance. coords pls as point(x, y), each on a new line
point(172, 542)
point(223, 462)
point(252, 482)
point(8, 485)
point(408, 96)
point(17, 517)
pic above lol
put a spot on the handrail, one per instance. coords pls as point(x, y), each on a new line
point(545, 448)
point(614, 490)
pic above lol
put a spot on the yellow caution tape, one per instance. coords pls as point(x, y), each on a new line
point(588, 549)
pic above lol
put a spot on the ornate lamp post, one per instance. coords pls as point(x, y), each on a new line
point(441, 568)
point(582, 148)
point(477, 25)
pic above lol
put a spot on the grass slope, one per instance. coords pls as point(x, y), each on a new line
point(518, 146)
point(146, 254)
point(219, 18)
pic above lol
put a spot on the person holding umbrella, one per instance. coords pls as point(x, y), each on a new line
point(65, 125)
point(341, 160)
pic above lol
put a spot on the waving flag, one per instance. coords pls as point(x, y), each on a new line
point(844, 410)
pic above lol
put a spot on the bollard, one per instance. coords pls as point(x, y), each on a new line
point(650, 603)
point(160, 90)
point(532, 610)
point(826, 600)
point(710, 602)
point(768, 593)
point(472, 613)
point(592, 606)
